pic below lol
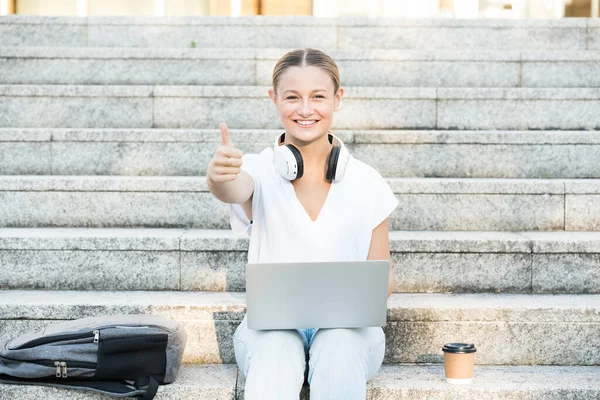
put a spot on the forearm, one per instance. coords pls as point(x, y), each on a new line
point(233, 192)
point(380, 250)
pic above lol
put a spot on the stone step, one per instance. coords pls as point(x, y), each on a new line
point(393, 381)
point(416, 153)
point(248, 67)
point(508, 329)
point(214, 260)
point(298, 32)
point(201, 382)
point(90, 106)
point(185, 202)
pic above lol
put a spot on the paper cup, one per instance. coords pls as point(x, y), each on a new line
point(459, 362)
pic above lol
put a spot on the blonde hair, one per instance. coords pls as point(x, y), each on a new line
point(304, 58)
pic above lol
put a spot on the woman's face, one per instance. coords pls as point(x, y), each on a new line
point(306, 101)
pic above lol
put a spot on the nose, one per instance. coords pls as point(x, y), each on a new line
point(304, 109)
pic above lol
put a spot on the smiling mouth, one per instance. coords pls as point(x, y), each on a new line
point(306, 123)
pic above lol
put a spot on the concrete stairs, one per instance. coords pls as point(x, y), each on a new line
point(248, 107)
point(395, 153)
point(394, 381)
point(444, 204)
point(485, 130)
point(213, 260)
point(295, 32)
point(545, 329)
point(245, 67)
point(534, 331)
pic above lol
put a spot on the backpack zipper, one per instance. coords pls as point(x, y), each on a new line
point(71, 336)
point(64, 365)
point(61, 366)
point(57, 338)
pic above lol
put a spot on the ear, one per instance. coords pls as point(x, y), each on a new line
point(338, 96)
point(273, 96)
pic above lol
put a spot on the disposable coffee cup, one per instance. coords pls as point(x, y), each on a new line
point(459, 361)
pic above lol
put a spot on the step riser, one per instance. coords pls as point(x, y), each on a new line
point(420, 108)
point(224, 271)
point(542, 161)
point(443, 212)
point(329, 34)
point(524, 343)
point(249, 72)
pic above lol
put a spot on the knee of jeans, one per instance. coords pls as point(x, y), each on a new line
point(240, 350)
point(375, 358)
point(376, 336)
point(362, 349)
point(277, 341)
point(268, 345)
point(334, 346)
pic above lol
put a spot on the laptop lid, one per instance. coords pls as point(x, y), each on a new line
point(345, 294)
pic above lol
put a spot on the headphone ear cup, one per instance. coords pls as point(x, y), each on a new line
point(299, 160)
point(288, 162)
point(332, 164)
point(341, 164)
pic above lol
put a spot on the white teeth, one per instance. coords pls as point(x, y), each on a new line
point(306, 122)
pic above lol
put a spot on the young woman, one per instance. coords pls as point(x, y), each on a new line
point(333, 207)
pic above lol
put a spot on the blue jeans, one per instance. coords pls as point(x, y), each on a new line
point(340, 362)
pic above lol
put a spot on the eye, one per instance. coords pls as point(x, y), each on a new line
point(320, 96)
point(290, 97)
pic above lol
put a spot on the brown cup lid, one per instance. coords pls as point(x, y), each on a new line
point(459, 348)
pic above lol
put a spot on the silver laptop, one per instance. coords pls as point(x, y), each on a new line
point(347, 294)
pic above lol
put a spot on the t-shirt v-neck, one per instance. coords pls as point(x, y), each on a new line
point(300, 207)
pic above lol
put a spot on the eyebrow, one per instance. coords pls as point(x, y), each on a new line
point(295, 91)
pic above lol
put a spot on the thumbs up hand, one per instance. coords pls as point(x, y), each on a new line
point(227, 161)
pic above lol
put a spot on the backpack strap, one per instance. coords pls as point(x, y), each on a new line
point(142, 388)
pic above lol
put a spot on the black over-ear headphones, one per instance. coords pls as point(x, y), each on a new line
point(288, 159)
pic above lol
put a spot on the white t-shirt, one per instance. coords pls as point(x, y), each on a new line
point(282, 231)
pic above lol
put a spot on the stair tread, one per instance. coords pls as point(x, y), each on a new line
point(245, 53)
point(70, 304)
point(112, 183)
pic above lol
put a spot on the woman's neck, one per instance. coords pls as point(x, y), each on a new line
point(314, 154)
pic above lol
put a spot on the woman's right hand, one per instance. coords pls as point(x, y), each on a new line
point(227, 161)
